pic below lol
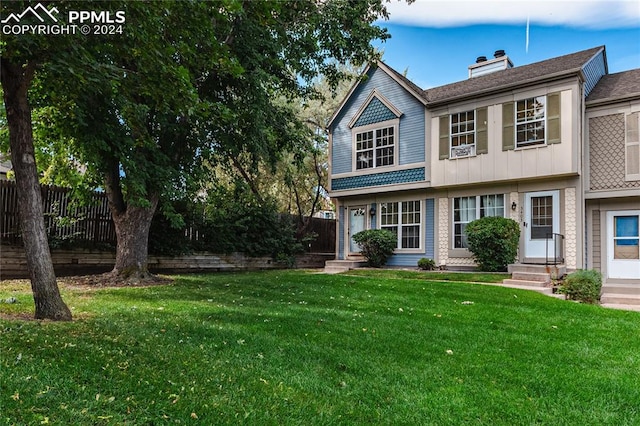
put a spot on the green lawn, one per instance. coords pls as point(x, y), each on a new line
point(292, 347)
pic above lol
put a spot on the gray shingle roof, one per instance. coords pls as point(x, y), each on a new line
point(562, 65)
point(613, 87)
point(419, 91)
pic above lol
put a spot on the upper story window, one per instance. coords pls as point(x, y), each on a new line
point(468, 209)
point(404, 220)
point(530, 121)
point(463, 134)
point(375, 148)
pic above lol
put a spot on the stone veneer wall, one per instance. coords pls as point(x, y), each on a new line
point(443, 231)
point(570, 229)
point(13, 263)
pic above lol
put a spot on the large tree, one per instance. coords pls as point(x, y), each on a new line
point(20, 58)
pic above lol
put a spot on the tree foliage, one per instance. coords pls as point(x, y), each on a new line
point(229, 220)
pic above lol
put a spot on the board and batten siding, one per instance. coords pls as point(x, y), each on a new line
point(410, 145)
point(513, 164)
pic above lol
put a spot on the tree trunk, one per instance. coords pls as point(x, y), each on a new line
point(46, 295)
point(132, 231)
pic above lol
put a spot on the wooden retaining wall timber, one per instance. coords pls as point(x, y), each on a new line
point(13, 263)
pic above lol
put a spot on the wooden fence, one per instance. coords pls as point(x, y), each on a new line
point(64, 219)
point(92, 225)
point(325, 230)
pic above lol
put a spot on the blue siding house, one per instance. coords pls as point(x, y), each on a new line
point(378, 159)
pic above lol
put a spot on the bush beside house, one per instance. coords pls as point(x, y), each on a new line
point(493, 242)
point(376, 245)
point(583, 286)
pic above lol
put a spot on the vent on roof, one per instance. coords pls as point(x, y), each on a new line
point(483, 66)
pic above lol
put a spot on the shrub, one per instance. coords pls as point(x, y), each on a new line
point(493, 242)
point(426, 264)
point(376, 245)
point(583, 285)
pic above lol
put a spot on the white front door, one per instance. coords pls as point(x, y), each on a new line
point(542, 220)
point(623, 244)
point(357, 223)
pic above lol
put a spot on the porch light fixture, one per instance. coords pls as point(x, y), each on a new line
point(372, 212)
point(514, 206)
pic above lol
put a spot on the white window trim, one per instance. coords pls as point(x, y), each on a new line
point(477, 215)
point(471, 147)
point(373, 127)
point(420, 248)
point(516, 123)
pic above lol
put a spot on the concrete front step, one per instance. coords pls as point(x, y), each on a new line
point(526, 283)
point(338, 266)
point(535, 286)
point(554, 271)
point(542, 277)
point(620, 299)
point(633, 289)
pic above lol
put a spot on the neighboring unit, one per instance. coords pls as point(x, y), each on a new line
point(553, 145)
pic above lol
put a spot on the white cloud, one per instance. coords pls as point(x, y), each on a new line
point(593, 14)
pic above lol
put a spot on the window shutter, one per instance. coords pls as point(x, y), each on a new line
point(553, 118)
point(482, 141)
point(444, 137)
point(508, 133)
point(632, 147)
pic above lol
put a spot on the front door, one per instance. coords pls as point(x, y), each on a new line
point(623, 244)
point(357, 223)
point(542, 220)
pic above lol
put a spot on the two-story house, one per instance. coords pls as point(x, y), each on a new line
point(509, 141)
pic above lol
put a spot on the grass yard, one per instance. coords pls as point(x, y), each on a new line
point(298, 348)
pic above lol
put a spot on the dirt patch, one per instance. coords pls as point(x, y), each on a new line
point(18, 316)
point(111, 280)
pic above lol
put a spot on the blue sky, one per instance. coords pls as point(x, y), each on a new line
point(436, 40)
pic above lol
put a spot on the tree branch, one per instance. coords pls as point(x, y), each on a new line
point(247, 178)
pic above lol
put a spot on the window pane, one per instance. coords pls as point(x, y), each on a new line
point(541, 217)
point(388, 214)
point(626, 226)
point(411, 236)
point(492, 205)
point(464, 211)
point(626, 249)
